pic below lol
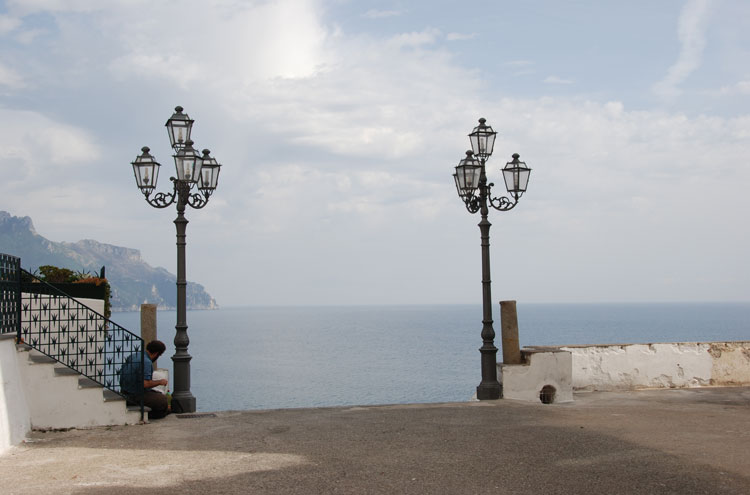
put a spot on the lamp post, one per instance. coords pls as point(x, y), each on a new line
point(197, 177)
point(476, 193)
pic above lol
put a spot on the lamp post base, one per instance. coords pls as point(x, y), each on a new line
point(489, 391)
point(184, 403)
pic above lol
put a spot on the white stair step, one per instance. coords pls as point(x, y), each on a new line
point(60, 397)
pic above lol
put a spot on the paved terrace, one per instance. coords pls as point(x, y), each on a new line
point(660, 441)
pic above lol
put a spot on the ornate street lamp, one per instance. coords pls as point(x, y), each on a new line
point(193, 172)
point(476, 193)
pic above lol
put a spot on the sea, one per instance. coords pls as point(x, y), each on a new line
point(246, 358)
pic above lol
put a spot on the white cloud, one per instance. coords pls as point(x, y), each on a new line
point(381, 14)
point(8, 24)
point(521, 67)
point(39, 141)
point(739, 88)
point(460, 36)
point(557, 80)
point(26, 7)
point(691, 34)
point(28, 36)
point(415, 39)
point(233, 43)
point(10, 78)
point(378, 100)
point(50, 171)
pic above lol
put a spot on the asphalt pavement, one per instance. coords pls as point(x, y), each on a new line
point(681, 441)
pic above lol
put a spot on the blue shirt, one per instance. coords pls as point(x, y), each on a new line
point(131, 377)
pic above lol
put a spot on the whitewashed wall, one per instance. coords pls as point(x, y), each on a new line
point(668, 365)
point(15, 420)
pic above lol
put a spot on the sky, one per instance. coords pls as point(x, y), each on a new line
point(338, 124)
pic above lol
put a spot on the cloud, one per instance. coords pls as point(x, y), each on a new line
point(415, 39)
point(521, 67)
point(557, 80)
point(739, 88)
point(28, 36)
point(8, 24)
point(381, 14)
point(26, 7)
point(460, 36)
point(238, 42)
point(38, 141)
point(691, 34)
point(50, 169)
point(10, 78)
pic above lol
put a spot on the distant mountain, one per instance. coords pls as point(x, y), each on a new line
point(132, 280)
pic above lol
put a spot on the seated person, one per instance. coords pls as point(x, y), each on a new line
point(135, 382)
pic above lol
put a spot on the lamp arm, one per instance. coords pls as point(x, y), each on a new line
point(197, 200)
point(472, 204)
point(161, 199)
point(502, 203)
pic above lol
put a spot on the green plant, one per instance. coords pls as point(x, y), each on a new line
point(55, 275)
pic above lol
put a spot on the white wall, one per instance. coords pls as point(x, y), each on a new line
point(95, 304)
point(15, 421)
point(668, 365)
point(541, 368)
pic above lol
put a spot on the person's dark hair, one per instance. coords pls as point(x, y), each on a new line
point(156, 347)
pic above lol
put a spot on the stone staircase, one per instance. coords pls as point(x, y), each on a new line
point(60, 398)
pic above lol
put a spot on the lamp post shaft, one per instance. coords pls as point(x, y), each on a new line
point(489, 388)
point(182, 398)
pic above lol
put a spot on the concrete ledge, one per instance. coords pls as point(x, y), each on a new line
point(660, 365)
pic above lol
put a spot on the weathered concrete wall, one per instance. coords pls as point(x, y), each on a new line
point(15, 420)
point(668, 365)
point(540, 368)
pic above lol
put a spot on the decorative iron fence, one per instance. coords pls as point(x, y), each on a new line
point(75, 335)
point(10, 294)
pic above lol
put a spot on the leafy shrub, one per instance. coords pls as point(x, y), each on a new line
point(54, 275)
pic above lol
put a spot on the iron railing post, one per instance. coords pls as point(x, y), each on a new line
point(18, 301)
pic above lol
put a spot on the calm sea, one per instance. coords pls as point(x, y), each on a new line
point(283, 357)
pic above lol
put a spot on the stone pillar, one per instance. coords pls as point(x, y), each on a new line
point(148, 323)
point(509, 324)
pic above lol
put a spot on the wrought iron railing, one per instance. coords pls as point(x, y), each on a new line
point(10, 294)
point(75, 335)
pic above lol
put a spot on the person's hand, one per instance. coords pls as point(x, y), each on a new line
point(164, 381)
